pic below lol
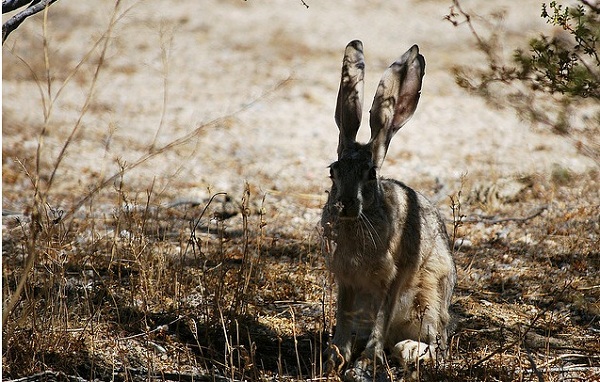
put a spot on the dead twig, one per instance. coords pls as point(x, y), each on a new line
point(521, 338)
point(571, 357)
point(49, 376)
point(14, 22)
point(534, 367)
point(594, 7)
point(157, 329)
point(13, 5)
point(495, 220)
point(467, 19)
point(169, 146)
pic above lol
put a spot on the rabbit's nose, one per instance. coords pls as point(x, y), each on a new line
point(350, 208)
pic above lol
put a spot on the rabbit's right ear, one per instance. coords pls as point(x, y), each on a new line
point(395, 101)
point(348, 111)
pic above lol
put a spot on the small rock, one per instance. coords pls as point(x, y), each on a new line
point(462, 243)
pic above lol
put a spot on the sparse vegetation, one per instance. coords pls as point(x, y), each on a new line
point(214, 291)
point(107, 279)
point(554, 82)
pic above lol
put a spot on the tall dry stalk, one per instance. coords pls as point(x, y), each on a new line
point(40, 223)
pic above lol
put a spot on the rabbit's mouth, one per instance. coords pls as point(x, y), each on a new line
point(349, 215)
point(348, 209)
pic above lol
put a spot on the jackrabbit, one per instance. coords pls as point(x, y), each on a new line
point(391, 256)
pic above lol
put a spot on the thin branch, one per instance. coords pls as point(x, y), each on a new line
point(521, 338)
point(571, 357)
point(15, 21)
point(12, 5)
point(594, 7)
point(171, 145)
point(50, 375)
point(166, 45)
point(40, 198)
point(29, 263)
point(494, 220)
point(89, 98)
point(467, 16)
point(534, 367)
point(157, 329)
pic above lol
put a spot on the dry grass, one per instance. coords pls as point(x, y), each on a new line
point(192, 289)
point(220, 289)
point(109, 280)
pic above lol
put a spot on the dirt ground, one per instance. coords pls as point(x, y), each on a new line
point(214, 59)
point(247, 89)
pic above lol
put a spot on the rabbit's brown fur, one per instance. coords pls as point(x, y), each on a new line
point(392, 260)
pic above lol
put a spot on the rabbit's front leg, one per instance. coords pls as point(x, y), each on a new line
point(387, 303)
point(365, 367)
point(340, 350)
point(374, 350)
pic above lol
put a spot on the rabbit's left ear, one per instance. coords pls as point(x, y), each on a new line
point(348, 110)
point(395, 101)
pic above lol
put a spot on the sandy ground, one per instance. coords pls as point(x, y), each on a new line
point(273, 68)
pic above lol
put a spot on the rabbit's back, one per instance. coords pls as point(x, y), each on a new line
point(425, 270)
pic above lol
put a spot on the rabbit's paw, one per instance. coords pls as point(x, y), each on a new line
point(357, 374)
point(365, 370)
point(410, 352)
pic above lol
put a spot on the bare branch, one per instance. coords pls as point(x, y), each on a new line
point(11, 5)
point(593, 7)
point(14, 22)
point(494, 220)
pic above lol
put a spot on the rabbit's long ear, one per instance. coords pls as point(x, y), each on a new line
point(395, 101)
point(348, 111)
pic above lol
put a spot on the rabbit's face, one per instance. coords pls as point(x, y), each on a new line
point(354, 177)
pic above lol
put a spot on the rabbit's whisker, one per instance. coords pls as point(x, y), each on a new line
point(368, 225)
